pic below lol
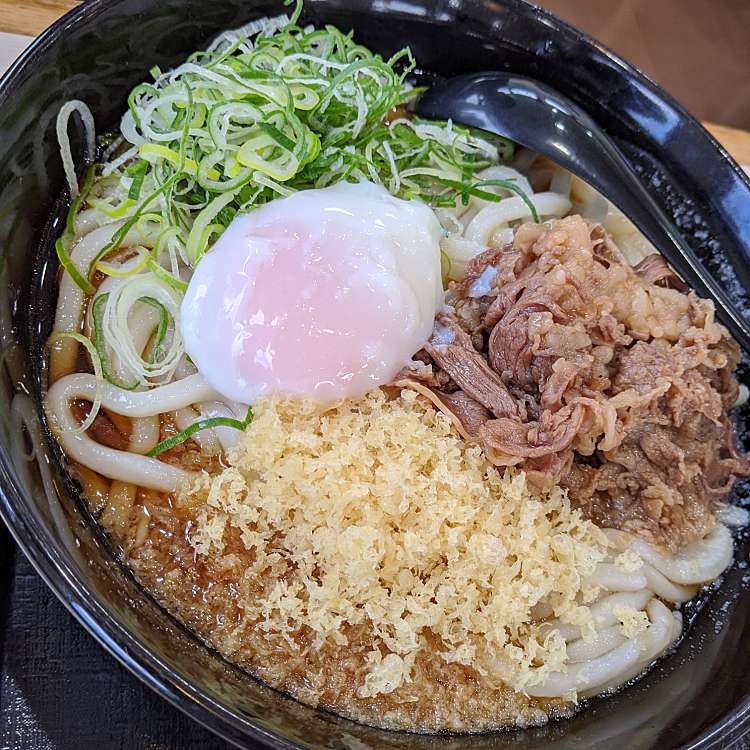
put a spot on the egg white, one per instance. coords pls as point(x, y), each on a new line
point(325, 294)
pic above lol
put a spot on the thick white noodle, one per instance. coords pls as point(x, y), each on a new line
point(227, 436)
point(184, 368)
point(115, 464)
point(660, 634)
point(612, 578)
point(587, 201)
point(500, 172)
point(215, 439)
point(523, 159)
point(592, 674)
point(603, 612)
point(88, 220)
point(610, 659)
point(449, 220)
point(561, 182)
point(666, 589)
point(460, 251)
point(624, 676)
point(145, 434)
point(70, 296)
point(630, 241)
point(695, 563)
point(472, 228)
point(175, 395)
point(603, 642)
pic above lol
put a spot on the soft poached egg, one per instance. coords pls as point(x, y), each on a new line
point(325, 294)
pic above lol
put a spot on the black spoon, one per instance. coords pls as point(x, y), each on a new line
point(540, 118)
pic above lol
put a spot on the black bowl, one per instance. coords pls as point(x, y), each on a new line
point(697, 697)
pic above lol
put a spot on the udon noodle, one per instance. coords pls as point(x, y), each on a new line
point(139, 424)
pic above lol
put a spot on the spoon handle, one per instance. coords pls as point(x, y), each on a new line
point(540, 118)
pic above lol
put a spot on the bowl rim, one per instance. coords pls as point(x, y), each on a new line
point(45, 555)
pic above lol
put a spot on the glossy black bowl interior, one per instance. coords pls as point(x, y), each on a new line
point(696, 697)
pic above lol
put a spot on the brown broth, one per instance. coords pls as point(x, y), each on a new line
point(204, 594)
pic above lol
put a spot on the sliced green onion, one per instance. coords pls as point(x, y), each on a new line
point(465, 190)
point(278, 136)
point(510, 185)
point(255, 118)
point(151, 152)
point(62, 243)
point(120, 234)
point(201, 424)
point(296, 13)
point(114, 327)
point(161, 331)
point(78, 201)
point(106, 208)
point(123, 270)
point(138, 172)
point(204, 227)
point(268, 115)
point(164, 275)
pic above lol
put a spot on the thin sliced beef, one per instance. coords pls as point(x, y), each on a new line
point(559, 382)
point(607, 379)
point(469, 412)
point(555, 432)
point(426, 373)
point(452, 350)
point(475, 269)
point(474, 294)
point(654, 269)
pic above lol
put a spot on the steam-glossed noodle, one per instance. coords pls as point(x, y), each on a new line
point(324, 294)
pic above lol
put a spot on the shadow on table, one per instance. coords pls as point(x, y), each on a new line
point(60, 690)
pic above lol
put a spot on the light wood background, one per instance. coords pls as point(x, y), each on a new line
point(31, 17)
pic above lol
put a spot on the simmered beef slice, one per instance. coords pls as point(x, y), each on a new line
point(661, 481)
point(469, 412)
point(654, 269)
point(584, 371)
point(452, 350)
